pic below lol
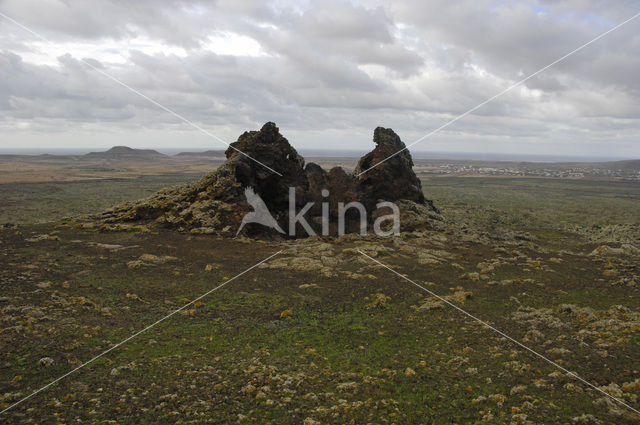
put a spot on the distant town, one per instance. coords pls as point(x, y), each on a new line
point(623, 170)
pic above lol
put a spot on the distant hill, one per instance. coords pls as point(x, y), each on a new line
point(633, 164)
point(216, 153)
point(125, 152)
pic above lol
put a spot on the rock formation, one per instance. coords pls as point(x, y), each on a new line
point(386, 173)
point(217, 203)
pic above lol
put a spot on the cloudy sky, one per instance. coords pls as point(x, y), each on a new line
point(326, 72)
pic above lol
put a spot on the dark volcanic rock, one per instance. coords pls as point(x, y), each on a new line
point(338, 186)
point(263, 163)
point(249, 157)
point(386, 173)
point(331, 188)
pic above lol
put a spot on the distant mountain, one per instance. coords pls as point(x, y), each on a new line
point(125, 152)
point(216, 153)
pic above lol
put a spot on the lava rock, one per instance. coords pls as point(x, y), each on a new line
point(386, 173)
point(263, 163)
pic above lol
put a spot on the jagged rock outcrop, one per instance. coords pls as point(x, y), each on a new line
point(386, 173)
point(249, 157)
point(265, 162)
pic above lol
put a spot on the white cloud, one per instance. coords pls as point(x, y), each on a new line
point(228, 43)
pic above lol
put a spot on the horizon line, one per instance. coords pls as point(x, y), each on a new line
point(324, 152)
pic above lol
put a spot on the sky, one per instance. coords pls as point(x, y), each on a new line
point(327, 73)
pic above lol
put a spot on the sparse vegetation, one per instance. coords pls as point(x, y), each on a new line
point(50, 201)
point(321, 334)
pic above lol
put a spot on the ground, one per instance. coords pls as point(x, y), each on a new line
point(321, 333)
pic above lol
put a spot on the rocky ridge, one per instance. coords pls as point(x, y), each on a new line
point(265, 162)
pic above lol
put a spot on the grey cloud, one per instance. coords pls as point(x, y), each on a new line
point(341, 67)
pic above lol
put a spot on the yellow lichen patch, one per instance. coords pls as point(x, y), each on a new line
point(459, 296)
point(286, 314)
point(135, 264)
point(150, 258)
point(133, 296)
point(474, 276)
point(379, 301)
point(432, 304)
point(211, 267)
point(631, 387)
